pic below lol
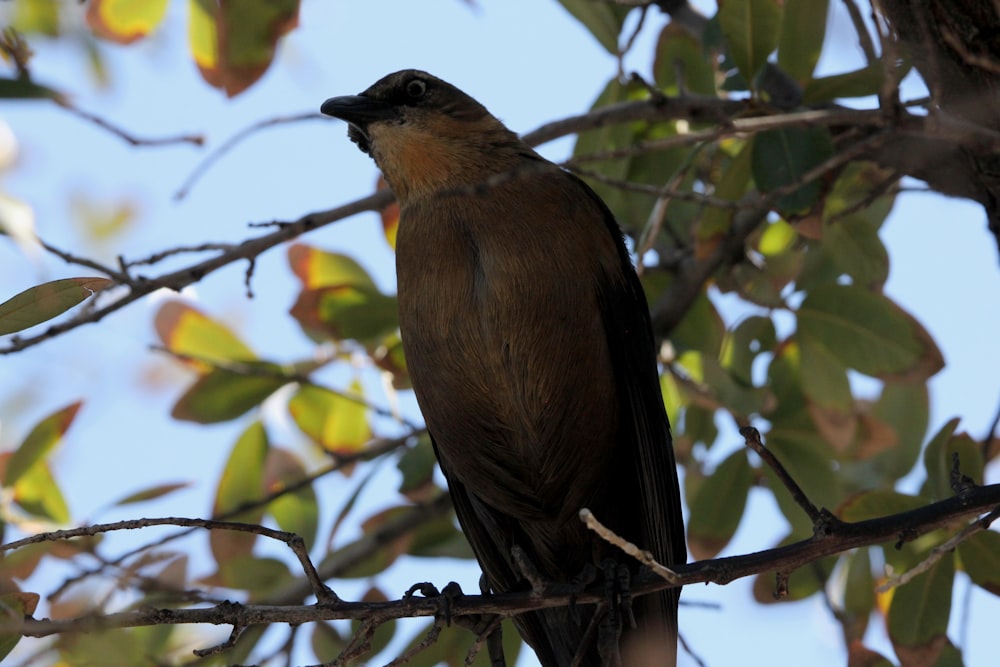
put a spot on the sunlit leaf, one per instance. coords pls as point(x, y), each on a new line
point(868, 332)
point(319, 268)
point(40, 442)
point(241, 484)
point(233, 43)
point(38, 493)
point(296, 512)
point(336, 422)
point(124, 21)
point(222, 395)
point(36, 16)
point(346, 312)
point(718, 506)
point(43, 302)
point(751, 28)
point(187, 331)
point(803, 28)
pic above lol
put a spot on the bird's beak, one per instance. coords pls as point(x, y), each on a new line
point(358, 110)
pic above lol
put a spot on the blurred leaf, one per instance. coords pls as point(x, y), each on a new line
point(325, 641)
point(42, 439)
point(319, 268)
point(731, 184)
point(387, 552)
point(603, 20)
point(802, 583)
point(859, 83)
point(859, 593)
point(14, 606)
point(43, 302)
point(877, 503)
point(241, 483)
point(781, 157)
point(37, 492)
point(258, 576)
point(807, 460)
point(753, 336)
point(186, 331)
point(440, 538)
point(124, 21)
point(152, 493)
point(803, 28)
point(868, 332)
point(389, 357)
point(718, 506)
point(856, 249)
point(26, 89)
point(855, 195)
point(346, 312)
point(859, 655)
point(103, 220)
point(777, 238)
point(679, 54)
point(905, 408)
point(222, 395)
point(918, 616)
point(296, 512)
point(751, 29)
point(36, 16)
point(384, 632)
point(335, 422)
point(233, 43)
point(417, 468)
point(980, 558)
point(938, 456)
point(701, 328)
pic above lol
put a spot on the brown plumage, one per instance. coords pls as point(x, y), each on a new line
point(528, 340)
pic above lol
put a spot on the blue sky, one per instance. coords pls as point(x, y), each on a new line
point(528, 63)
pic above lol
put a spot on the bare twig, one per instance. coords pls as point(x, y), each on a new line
point(864, 37)
point(132, 139)
point(232, 141)
point(753, 441)
point(641, 555)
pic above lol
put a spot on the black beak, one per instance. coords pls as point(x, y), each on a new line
point(358, 109)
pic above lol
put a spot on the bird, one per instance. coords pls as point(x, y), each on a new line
point(530, 349)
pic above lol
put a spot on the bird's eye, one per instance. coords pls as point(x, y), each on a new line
point(416, 88)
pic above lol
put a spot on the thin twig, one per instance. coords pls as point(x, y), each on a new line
point(641, 555)
point(232, 141)
point(132, 139)
point(753, 441)
point(864, 37)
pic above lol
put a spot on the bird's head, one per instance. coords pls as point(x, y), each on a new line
point(424, 134)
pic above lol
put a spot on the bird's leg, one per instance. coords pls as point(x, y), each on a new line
point(494, 641)
point(618, 588)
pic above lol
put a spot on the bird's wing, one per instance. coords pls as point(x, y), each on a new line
point(645, 449)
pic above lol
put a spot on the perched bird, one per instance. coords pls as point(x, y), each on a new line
point(528, 341)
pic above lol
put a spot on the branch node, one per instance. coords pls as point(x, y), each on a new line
point(780, 585)
point(960, 484)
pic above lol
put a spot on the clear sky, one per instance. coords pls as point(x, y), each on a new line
point(528, 62)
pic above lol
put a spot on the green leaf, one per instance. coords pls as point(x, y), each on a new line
point(891, 436)
point(701, 329)
point(259, 576)
point(781, 157)
point(40, 442)
point(152, 493)
point(859, 591)
point(603, 20)
point(26, 89)
point(876, 504)
point(920, 608)
point(416, 466)
point(43, 302)
point(731, 184)
point(38, 493)
point(807, 460)
point(241, 483)
point(825, 376)
point(186, 331)
point(296, 512)
point(680, 52)
point(14, 606)
point(856, 249)
point(753, 336)
point(938, 457)
point(751, 29)
point(233, 43)
point(803, 28)
point(319, 268)
point(36, 16)
point(334, 421)
point(346, 312)
point(223, 395)
point(718, 506)
point(439, 538)
point(124, 21)
point(859, 83)
point(868, 333)
point(980, 558)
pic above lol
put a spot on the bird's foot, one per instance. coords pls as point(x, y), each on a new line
point(446, 597)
